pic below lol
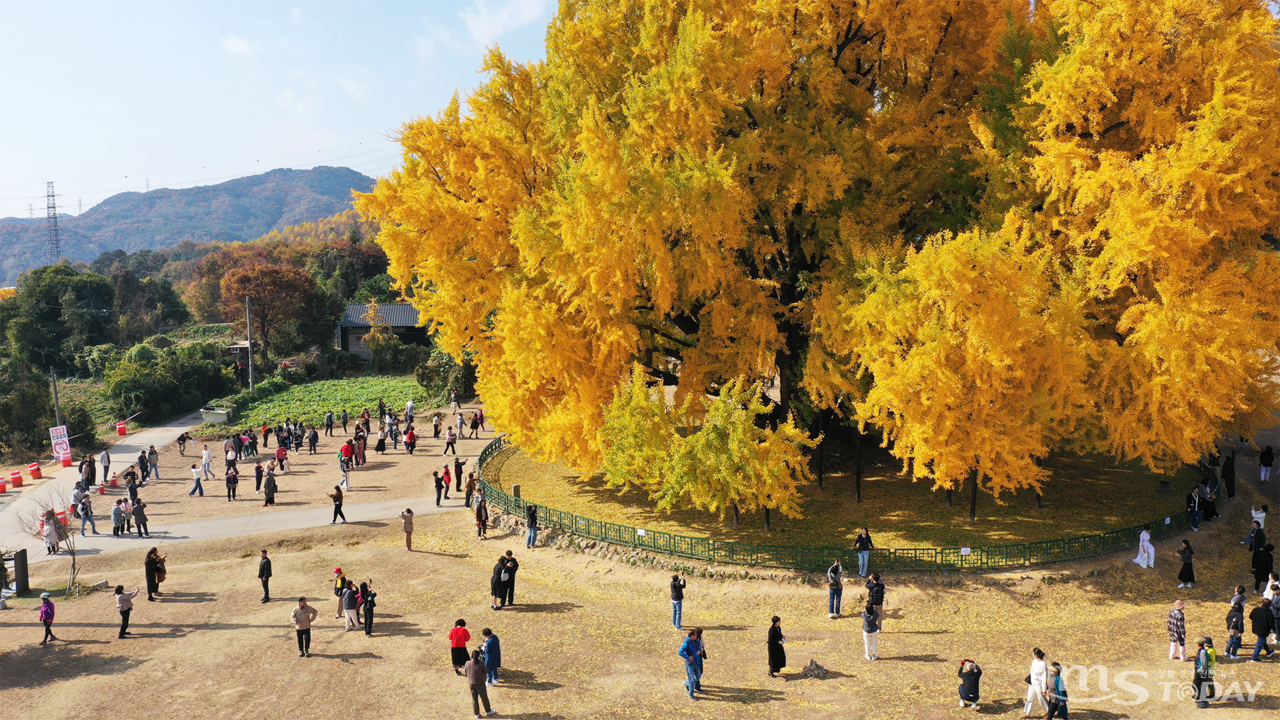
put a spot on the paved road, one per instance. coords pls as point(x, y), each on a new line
point(59, 483)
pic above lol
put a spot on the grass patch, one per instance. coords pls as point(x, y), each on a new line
point(1086, 495)
point(309, 402)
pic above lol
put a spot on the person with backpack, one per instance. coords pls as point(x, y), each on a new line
point(677, 600)
point(124, 605)
point(492, 651)
point(875, 598)
point(497, 584)
point(1235, 630)
point(1202, 677)
point(85, 508)
point(835, 589)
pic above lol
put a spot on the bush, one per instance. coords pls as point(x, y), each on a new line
point(156, 384)
point(441, 373)
point(141, 354)
point(80, 426)
point(95, 359)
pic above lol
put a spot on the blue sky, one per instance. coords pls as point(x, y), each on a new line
point(102, 97)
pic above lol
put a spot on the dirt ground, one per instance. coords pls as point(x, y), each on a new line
point(591, 638)
point(394, 474)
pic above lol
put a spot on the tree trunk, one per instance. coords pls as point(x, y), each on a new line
point(857, 463)
point(1039, 500)
point(263, 342)
point(973, 496)
point(948, 497)
point(736, 518)
point(821, 444)
point(767, 528)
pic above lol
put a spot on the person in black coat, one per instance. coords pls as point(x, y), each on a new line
point(1263, 564)
point(969, 674)
point(1260, 622)
point(264, 574)
point(497, 591)
point(777, 653)
point(370, 603)
point(1229, 474)
point(510, 584)
point(152, 566)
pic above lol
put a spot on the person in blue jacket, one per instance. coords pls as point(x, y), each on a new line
point(492, 656)
point(693, 653)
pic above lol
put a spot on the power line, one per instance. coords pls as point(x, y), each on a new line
point(54, 242)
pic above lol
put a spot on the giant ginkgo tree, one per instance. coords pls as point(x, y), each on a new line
point(991, 228)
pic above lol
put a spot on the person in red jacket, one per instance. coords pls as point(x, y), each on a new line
point(459, 636)
point(282, 456)
point(410, 440)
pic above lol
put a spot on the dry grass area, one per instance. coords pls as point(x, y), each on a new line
point(592, 638)
point(1087, 495)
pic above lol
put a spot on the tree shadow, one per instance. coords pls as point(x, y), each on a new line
point(405, 629)
point(188, 597)
point(744, 696)
point(524, 680)
point(368, 523)
point(549, 608)
point(437, 554)
point(717, 628)
point(41, 665)
point(536, 716)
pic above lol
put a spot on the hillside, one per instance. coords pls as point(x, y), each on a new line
point(237, 210)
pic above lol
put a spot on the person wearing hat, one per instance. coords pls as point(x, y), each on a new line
point(339, 584)
point(46, 616)
point(1206, 662)
point(302, 616)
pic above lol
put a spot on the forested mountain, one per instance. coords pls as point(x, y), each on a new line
point(237, 210)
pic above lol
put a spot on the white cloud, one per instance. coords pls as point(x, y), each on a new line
point(353, 87)
point(488, 20)
point(296, 103)
point(296, 15)
point(425, 45)
point(237, 46)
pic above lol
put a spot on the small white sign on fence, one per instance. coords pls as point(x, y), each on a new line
point(1168, 520)
point(965, 551)
point(640, 532)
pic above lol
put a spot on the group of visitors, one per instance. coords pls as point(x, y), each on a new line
point(502, 584)
point(479, 666)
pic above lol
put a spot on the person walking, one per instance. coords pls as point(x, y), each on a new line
point(1260, 623)
point(875, 598)
point(492, 651)
point(140, 518)
point(1177, 627)
point(410, 439)
point(1146, 551)
point(1265, 460)
point(531, 522)
point(206, 460)
point(196, 477)
point(1037, 682)
point(85, 508)
point(1056, 693)
point(345, 418)
point(369, 598)
point(336, 497)
point(470, 489)
point(153, 567)
point(351, 604)
point(406, 521)
point(482, 518)
point(475, 426)
point(775, 642)
point(476, 672)
point(693, 653)
point(313, 439)
point(1258, 522)
point(1203, 672)
point(124, 605)
point(449, 439)
point(153, 462)
point(835, 589)
point(509, 584)
point(497, 590)
point(1263, 564)
point(459, 636)
point(258, 473)
point(871, 632)
point(1187, 575)
point(282, 460)
point(1235, 630)
point(302, 617)
point(863, 546)
point(677, 600)
point(264, 574)
point(970, 677)
point(1193, 508)
point(328, 423)
point(47, 612)
point(460, 422)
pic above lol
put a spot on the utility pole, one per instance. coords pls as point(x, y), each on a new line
point(57, 407)
point(248, 332)
point(54, 243)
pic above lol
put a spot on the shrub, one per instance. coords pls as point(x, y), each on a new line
point(95, 359)
point(441, 373)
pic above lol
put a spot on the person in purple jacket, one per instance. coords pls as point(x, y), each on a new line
point(46, 616)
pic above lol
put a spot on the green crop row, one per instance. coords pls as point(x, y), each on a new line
point(311, 401)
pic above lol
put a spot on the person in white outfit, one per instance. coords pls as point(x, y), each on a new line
point(1146, 551)
point(1039, 677)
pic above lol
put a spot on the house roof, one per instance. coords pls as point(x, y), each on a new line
point(393, 314)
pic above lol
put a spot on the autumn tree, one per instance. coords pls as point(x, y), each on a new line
point(729, 462)
point(276, 293)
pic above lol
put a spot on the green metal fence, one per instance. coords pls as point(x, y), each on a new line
point(805, 558)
